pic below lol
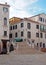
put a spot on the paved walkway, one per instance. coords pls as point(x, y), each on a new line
point(32, 59)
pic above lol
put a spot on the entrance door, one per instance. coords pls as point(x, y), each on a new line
point(4, 46)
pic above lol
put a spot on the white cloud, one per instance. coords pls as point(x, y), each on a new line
point(23, 3)
point(18, 7)
point(17, 13)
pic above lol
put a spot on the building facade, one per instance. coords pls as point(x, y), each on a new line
point(32, 30)
point(4, 26)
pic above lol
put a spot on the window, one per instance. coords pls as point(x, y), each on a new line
point(41, 27)
point(44, 28)
point(5, 21)
point(5, 9)
point(29, 34)
point(43, 19)
point(45, 35)
point(43, 45)
point(37, 44)
point(37, 26)
point(32, 41)
point(16, 35)
point(28, 25)
point(10, 35)
point(41, 35)
point(22, 33)
point(22, 24)
point(40, 44)
point(5, 33)
point(37, 34)
point(40, 18)
point(15, 27)
point(10, 27)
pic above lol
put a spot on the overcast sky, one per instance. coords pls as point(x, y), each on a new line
point(25, 8)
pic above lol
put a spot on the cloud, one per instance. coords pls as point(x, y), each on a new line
point(19, 13)
point(19, 8)
point(23, 3)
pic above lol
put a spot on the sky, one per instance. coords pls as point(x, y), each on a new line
point(25, 8)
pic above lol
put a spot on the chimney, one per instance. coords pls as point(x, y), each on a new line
point(6, 3)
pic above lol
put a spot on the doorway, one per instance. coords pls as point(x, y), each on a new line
point(4, 49)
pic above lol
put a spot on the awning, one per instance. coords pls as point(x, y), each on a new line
point(17, 40)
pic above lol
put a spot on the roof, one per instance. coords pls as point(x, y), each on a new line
point(27, 19)
point(37, 15)
point(5, 4)
point(14, 20)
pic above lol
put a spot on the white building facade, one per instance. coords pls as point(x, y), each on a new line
point(4, 25)
point(32, 30)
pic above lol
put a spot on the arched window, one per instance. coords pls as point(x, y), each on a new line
point(5, 21)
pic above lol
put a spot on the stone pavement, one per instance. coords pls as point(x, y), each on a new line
point(32, 59)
